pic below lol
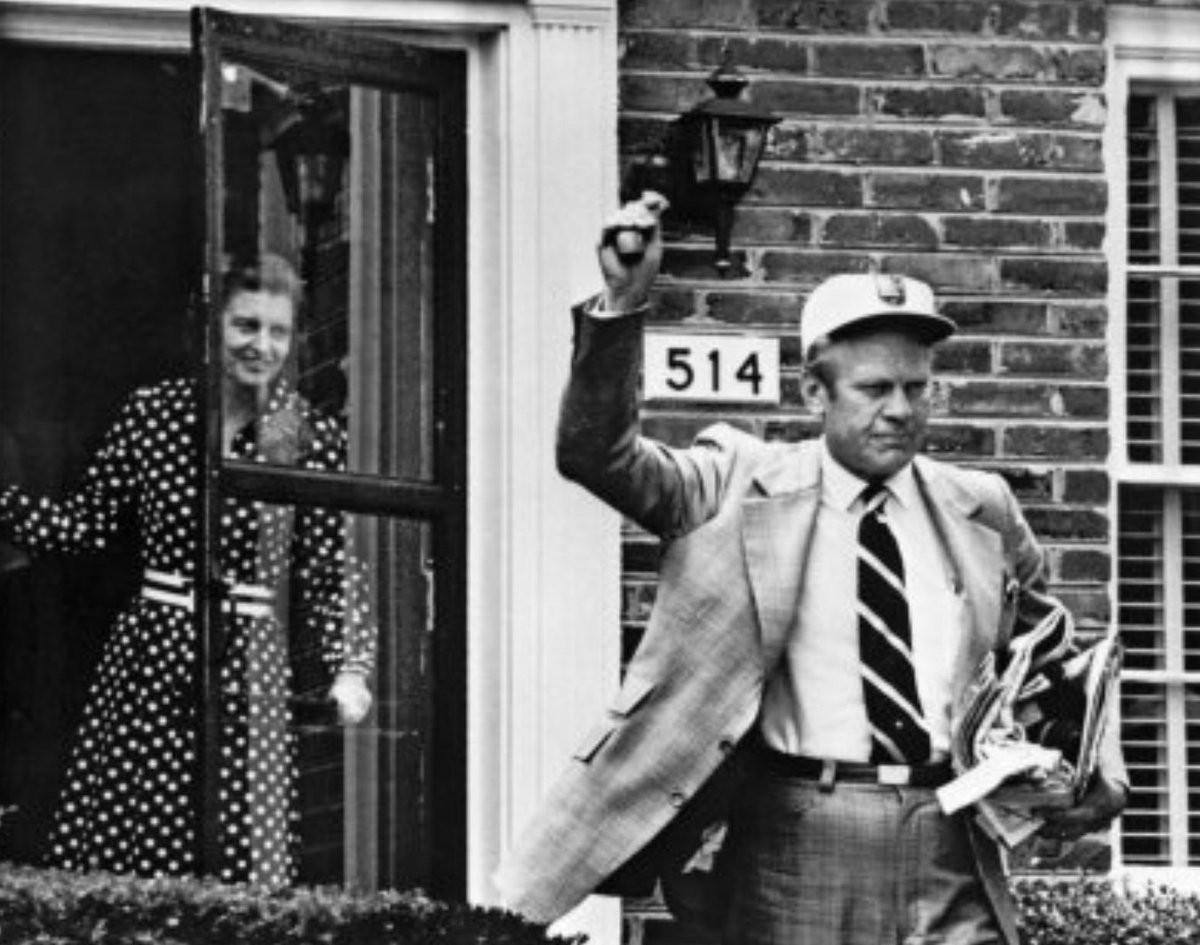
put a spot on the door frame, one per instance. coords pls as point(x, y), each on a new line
point(542, 175)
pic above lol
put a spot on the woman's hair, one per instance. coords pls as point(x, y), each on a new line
point(268, 273)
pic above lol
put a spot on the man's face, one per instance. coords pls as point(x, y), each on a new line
point(874, 402)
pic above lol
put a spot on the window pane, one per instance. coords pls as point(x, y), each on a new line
point(1140, 579)
point(1142, 147)
point(1187, 121)
point(1192, 712)
point(304, 796)
point(1144, 371)
point(1189, 370)
point(1142, 620)
point(1190, 561)
point(1161, 634)
point(1156, 434)
point(1145, 828)
point(356, 221)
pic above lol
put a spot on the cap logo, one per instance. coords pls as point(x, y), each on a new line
point(890, 289)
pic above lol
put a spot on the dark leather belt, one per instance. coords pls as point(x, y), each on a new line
point(829, 772)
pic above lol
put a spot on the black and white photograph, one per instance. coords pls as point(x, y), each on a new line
point(623, 472)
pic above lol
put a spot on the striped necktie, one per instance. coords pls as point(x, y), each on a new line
point(898, 731)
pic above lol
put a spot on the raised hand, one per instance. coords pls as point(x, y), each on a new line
point(630, 252)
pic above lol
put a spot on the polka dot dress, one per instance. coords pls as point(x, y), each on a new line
point(131, 791)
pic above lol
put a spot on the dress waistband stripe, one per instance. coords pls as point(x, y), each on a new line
point(175, 590)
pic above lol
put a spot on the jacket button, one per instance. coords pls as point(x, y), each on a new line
point(677, 798)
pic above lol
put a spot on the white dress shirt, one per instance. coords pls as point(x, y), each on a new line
point(814, 702)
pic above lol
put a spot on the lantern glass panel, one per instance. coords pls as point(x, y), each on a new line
point(737, 147)
point(701, 147)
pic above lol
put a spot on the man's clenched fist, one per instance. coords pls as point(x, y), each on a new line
point(630, 252)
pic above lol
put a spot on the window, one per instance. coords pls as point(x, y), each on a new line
point(1158, 545)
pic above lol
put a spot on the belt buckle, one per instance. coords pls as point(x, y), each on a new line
point(828, 775)
point(895, 775)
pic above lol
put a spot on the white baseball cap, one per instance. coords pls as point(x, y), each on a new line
point(854, 299)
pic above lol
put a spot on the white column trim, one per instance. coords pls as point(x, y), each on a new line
point(1161, 35)
point(96, 27)
point(165, 24)
point(560, 654)
point(591, 14)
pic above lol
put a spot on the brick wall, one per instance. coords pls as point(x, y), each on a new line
point(958, 141)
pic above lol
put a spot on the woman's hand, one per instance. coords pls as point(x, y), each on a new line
point(285, 436)
point(353, 698)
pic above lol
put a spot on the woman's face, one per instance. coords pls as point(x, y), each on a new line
point(257, 337)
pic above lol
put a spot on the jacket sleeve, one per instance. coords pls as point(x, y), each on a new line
point(330, 576)
point(600, 445)
point(92, 516)
point(1028, 563)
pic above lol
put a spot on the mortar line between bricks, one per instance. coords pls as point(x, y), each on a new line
point(888, 38)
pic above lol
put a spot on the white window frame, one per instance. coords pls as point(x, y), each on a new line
point(543, 558)
point(1148, 47)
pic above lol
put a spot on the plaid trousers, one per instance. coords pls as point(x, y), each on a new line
point(862, 864)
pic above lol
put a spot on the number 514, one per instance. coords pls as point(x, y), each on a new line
point(712, 368)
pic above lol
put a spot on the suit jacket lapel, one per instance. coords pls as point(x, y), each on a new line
point(777, 528)
point(974, 551)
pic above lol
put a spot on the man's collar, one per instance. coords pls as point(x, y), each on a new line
point(842, 488)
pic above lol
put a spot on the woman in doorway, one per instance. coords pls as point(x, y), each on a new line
point(130, 800)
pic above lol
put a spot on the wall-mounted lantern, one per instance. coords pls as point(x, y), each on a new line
point(721, 142)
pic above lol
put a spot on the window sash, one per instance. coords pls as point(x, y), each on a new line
point(1158, 477)
point(1158, 582)
point(1162, 329)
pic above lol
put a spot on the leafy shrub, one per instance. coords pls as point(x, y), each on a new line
point(53, 907)
point(1095, 911)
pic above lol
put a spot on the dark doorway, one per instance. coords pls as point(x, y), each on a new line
point(98, 251)
point(103, 243)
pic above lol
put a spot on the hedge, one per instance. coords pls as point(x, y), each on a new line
point(53, 907)
point(1096, 911)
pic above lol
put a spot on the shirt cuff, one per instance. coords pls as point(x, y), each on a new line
point(595, 308)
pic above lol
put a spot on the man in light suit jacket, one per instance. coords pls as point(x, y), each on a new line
point(756, 643)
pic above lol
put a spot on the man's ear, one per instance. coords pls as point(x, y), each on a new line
point(814, 393)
